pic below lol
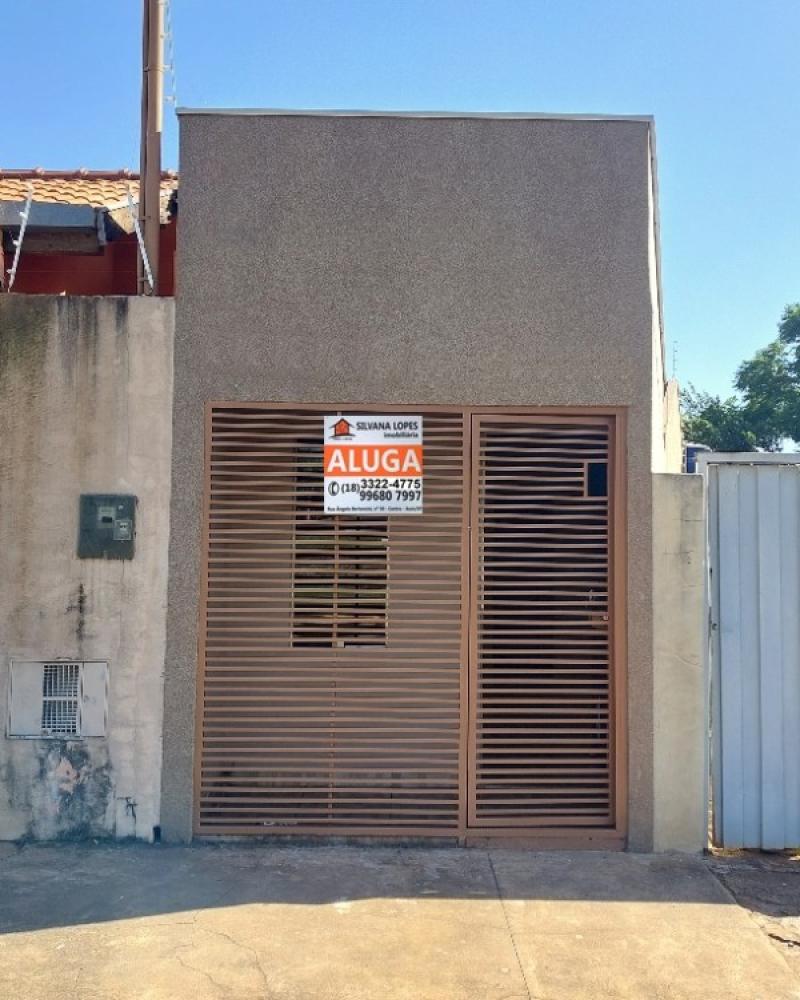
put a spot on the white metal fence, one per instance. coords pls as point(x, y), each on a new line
point(754, 584)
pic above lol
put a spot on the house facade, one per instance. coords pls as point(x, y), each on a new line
point(483, 669)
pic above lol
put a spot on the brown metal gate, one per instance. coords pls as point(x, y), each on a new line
point(412, 676)
point(541, 730)
point(333, 646)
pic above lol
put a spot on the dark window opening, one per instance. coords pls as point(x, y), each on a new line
point(340, 571)
point(597, 479)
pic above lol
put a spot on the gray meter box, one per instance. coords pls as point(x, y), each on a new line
point(107, 526)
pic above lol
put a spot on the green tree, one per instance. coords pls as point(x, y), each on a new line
point(719, 423)
point(766, 409)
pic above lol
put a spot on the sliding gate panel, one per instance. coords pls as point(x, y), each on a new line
point(332, 648)
point(754, 590)
point(541, 705)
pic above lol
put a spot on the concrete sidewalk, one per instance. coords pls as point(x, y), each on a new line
point(236, 922)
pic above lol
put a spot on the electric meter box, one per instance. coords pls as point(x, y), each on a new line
point(107, 526)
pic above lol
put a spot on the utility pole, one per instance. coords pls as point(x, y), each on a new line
point(152, 127)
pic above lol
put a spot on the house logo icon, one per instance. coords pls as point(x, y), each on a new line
point(342, 428)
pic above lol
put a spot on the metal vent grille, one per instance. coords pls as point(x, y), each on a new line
point(60, 698)
point(542, 753)
point(360, 732)
point(52, 699)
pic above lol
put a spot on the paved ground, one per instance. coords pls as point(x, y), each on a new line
point(240, 923)
point(769, 886)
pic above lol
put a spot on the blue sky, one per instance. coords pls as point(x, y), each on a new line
point(720, 76)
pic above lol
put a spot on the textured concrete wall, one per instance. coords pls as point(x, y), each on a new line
point(680, 716)
point(411, 260)
point(85, 401)
point(658, 411)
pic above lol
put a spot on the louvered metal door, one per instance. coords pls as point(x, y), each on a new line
point(541, 739)
point(333, 652)
point(447, 674)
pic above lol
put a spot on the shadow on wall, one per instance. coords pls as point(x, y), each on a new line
point(58, 886)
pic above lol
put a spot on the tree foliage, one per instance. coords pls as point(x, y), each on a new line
point(766, 408)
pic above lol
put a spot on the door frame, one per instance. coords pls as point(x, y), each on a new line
point(613, 837)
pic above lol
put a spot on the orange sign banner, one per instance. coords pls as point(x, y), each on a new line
point(373, 459)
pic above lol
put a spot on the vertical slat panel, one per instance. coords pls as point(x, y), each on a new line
point(541, 736)
point(717, 786)
point(790, 645)
point(755, 569)
point(770, 658)
point(749, 629)
point(731, 660)
point(333, 646)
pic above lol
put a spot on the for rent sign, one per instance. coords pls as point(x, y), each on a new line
point(373, 464)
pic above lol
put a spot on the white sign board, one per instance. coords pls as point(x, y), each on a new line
point(373, 464)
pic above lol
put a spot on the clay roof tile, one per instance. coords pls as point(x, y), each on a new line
point(76, 187)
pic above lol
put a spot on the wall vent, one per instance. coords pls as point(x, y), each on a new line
point(60, 698)
point(57, 699)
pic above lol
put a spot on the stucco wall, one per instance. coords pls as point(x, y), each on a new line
point(673, 433)
point(411, 260)
point(85, 401)
point(680, 712)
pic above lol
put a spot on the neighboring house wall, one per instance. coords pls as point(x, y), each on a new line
point(85, 399)
point(673, 433)
point(112, 271)
point(416, 261)
point(680, 715)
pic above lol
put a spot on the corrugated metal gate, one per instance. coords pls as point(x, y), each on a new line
point(754, 558)
point(374, 675)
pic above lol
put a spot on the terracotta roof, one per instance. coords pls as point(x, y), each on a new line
point(77, 187)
